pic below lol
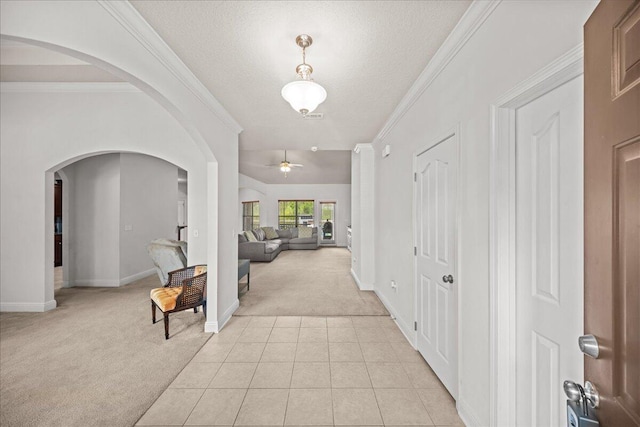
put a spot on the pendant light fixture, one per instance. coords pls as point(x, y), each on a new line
point(304, 94)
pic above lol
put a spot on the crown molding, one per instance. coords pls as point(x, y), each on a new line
point(473, 18)
point(68, 87)
point(140, 29)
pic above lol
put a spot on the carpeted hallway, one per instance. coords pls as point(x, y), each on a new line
point(307, 283)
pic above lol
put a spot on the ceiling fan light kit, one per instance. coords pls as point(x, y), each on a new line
point(285, 166)
point(304, 95)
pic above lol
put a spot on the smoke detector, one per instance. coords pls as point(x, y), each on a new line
point(314, 148)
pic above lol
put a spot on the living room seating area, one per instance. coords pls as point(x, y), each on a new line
point(265, 243)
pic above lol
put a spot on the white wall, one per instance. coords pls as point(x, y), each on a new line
point(518, 39)
point(363, 217)
point(269, 194)
point(148, 200)
point(114, 37)
point(66, 126)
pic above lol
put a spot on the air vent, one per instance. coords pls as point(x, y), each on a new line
point(314, 116)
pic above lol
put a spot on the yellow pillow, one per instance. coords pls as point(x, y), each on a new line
point(250, 236)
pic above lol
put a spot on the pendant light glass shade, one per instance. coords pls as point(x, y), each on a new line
point(304, 96)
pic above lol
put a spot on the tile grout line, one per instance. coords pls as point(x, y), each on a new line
point(375, 396)
point(333, 414)
point(246, 392)
point(293, 367)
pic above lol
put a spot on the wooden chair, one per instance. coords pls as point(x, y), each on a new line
point(185, 289)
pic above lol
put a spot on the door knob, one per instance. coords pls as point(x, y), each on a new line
point(447, 279)
point(576, 393)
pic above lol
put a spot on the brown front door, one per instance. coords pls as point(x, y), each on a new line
point(612, 208)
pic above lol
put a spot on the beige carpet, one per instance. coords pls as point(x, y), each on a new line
point(307, 283)
point(96, 360)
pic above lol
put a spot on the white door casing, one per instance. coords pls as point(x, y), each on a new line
point(504, 388)
point(549, 250)
point(436, 255)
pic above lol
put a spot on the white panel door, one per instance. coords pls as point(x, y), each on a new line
point(437, 296)
point(549, 251)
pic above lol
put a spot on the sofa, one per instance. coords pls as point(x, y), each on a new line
point(265, 249)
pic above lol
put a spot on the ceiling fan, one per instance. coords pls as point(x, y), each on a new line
point(285, 166)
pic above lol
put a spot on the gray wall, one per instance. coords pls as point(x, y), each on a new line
point(148, 200)
point(117, 204)
point(94, 205)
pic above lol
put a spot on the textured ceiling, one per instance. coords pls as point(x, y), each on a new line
point(366, 54)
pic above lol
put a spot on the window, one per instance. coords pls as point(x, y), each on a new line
point(295, 213)
point(250, 215)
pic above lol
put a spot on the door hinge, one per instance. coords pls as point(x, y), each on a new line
point(415, 176)
point(415, 326)
point(415, 251)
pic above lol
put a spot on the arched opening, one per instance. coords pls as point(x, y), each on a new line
point(112, 206)
point(75, 121)
point(185, 123)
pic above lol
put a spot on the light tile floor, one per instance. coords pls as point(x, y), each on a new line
point(305, 371)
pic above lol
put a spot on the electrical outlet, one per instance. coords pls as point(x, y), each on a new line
point(394, 286)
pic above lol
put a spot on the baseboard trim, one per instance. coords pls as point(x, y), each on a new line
point(406, 330)
point(31, 307)
point(95, 283)
point(361, 286)
point(466, 414)
point(228, 313)
point(102, 283)
point(137, 276)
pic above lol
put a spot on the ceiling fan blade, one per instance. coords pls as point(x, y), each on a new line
point(296, 165)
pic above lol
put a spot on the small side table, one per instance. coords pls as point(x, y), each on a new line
point(244, 270)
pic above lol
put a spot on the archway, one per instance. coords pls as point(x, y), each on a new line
point(121, 41)
point(116, 203)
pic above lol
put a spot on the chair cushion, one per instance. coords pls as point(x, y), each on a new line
point(250, 236)
point(165, 298)
point(270, 233)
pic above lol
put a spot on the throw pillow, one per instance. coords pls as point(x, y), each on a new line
point(250, 236)
point(259, 234)
point(305, 231)
point(270, 233)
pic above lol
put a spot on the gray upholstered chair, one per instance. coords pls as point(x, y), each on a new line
point(167, 255)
